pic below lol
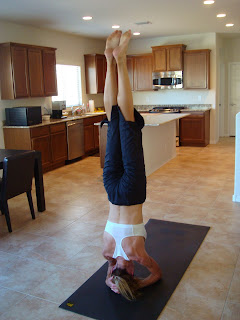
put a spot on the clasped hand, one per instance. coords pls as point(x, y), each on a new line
point(112, 285)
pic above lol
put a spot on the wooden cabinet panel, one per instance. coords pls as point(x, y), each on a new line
point(143, 73)
point(39, 131)
point(168, 58)
point(43, 144)
point(91, 133)
point(96, 136)
point(92, 120)
point(130, 67)
point(194, 130)
point(95, 73)
point(89, 141)
point(160, 59)
point(49, 72)
point(57, 127)
point(35, 72)
point(20, 72)
point(27, 71)
point(59, 146)
point(175, 59)
point(197, 69)
point(101, 72)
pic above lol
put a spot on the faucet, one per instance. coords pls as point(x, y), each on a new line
point(75, 110)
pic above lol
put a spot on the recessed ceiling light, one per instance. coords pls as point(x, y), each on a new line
point(221, 15)
point(115, 26)
point(208, 2)
point(229, 25)
point(136, 33)
point(87, 18)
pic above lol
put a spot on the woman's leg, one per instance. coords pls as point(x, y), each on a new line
point(110, 90)
point(113, 165)
point(124, 98)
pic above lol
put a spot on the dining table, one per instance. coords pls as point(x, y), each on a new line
point(38, 174)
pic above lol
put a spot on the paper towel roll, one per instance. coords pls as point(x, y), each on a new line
point(91, 106)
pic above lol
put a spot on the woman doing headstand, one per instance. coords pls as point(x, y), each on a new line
point(124, 178)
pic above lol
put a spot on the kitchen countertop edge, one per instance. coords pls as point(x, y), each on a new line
point(56, 121)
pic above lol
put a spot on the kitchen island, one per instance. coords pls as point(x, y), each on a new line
point(159, 139)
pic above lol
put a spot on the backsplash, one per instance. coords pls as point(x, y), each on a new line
point(185, 106)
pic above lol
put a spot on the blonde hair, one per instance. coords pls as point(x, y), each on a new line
point(128, 285)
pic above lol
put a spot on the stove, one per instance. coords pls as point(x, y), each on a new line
point(166, 109)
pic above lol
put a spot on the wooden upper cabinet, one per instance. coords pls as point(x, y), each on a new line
point(35, 72)
point(160, 59)
point(49, 72)
point(197, 69)
point(130, 67)
point(175, 58)
point(24, 70)
point(140, 71)
point(143, 73)
point(20, 82)
point(95, 73)
point(168, 58)
point(101, 72)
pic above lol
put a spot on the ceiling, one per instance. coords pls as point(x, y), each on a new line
point(167, 18)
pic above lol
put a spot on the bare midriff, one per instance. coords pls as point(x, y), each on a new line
point(125, 214)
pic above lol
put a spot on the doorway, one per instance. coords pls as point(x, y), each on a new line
point(233, 96)
point(222, 100)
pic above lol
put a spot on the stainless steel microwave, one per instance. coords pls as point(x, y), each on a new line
point(167, 80)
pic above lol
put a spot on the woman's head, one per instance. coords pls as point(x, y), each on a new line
point(126, 283)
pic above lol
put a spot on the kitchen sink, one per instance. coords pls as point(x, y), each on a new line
point(94, 113)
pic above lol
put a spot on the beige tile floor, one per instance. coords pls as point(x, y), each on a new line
point(44, 261)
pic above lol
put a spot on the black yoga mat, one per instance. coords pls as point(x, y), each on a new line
point(173, 245)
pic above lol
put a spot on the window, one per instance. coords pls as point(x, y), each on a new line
point(69, 85)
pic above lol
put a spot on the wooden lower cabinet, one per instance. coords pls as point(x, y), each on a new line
point(43, 144)
point(91, 133)
point(89, 138)
point(194, 130)
point(58, 142)
point(51, 140)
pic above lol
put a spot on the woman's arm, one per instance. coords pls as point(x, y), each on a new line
point(109, 278)
point(153, 267)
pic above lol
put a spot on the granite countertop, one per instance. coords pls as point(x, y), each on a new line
point(195, 110)
point(55, 121)
point(156, 119)
point(185, 107)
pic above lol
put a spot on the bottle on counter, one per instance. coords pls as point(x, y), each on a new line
point(83, 108)
point(91, 106)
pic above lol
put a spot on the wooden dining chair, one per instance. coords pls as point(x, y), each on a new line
point(18, 171)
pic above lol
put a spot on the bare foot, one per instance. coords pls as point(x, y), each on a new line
point(120, 51)
point(112, 42)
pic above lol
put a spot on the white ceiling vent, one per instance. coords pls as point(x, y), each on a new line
point(143, 22)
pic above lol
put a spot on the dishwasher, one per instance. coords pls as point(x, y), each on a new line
point(75, 139)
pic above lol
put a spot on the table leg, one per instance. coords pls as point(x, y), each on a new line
point(38, 175)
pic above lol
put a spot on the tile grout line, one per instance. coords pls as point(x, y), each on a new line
point(226, 300)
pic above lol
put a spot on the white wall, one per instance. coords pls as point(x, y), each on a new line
point(70, 50)
point(192, 41)
point(231, 53)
